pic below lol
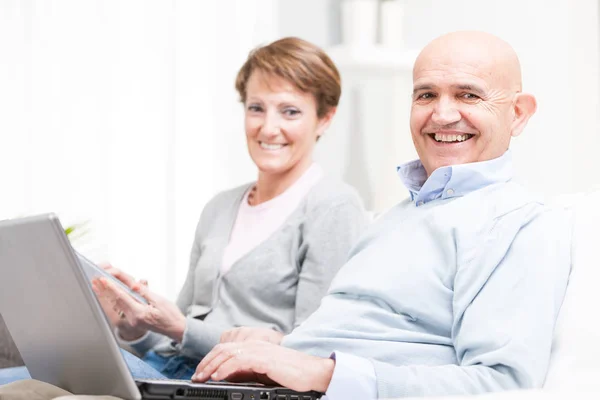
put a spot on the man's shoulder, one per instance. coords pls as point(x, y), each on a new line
point(532, 211)
point(505, 198)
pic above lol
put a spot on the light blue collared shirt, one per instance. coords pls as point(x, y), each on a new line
point(442, 295)
point(445, 182)
point(453, 180)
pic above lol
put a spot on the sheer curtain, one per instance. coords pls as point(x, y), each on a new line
point(123, 115)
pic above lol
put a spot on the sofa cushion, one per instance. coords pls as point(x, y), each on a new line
point(30, 389)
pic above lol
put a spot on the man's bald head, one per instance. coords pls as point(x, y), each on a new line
point(467, 100)
point(485, 51)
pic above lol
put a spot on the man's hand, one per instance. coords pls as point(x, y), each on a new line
point(244, 334)
point(134, 318)
point(265, 363)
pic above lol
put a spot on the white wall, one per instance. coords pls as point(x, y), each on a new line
point(124, 114)
point(557, 41)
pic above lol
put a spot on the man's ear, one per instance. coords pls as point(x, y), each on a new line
point(524, 107)
point(325, 121)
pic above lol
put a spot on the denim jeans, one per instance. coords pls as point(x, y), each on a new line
point(175, 367)
point(138, 368)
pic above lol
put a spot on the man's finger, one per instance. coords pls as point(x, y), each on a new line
point(233, 335)
point(243, 335)
point(249, 376)
point(208, 358)
point(211, 362)
point(225, 337)
point(230, 367)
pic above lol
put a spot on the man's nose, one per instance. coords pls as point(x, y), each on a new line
point(445, 112)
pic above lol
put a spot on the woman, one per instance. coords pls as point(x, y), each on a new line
point(264, 253)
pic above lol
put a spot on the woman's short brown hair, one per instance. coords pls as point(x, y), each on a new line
point(299, 62)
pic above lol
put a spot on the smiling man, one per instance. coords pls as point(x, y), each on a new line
point(467, 100)
point(455, 290)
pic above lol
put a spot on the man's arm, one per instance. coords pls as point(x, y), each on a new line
point(353, 378)
point(503, 327)
point(502, 331)
point(266, 363)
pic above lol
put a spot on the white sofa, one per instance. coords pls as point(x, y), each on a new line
point(575, 360)
point(574, 371)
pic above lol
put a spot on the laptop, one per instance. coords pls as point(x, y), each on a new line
point(62, 333)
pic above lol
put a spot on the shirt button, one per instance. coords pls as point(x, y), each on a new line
point(450, 192)
point(420, 203)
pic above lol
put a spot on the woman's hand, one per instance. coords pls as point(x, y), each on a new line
point(266, 363)
point(246, 333)
point(126, 331)
point(134, 319)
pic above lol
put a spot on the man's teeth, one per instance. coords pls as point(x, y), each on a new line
point(451, 138)
point(268, 146)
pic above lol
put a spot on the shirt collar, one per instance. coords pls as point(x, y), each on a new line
point(454, 180)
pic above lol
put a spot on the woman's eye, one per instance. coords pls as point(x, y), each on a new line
point(254, 108)
point(291, 112)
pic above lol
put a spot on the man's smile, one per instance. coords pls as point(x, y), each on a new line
point(450, 138)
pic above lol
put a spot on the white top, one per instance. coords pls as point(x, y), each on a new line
point(254, 224)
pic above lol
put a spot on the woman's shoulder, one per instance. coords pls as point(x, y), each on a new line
point(330, 192)
point(229, 197)
point(227, 200)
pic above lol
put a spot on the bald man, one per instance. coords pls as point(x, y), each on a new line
point(454, 291)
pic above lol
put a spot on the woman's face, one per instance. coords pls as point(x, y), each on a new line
point(281, 124)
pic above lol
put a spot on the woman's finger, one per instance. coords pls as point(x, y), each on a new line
point(120, 275)
point(97, 288)
point(108, 306)
point(105, 266)
point(123, 277)
point(143, 291)
point(123, 301)
point(101, 289)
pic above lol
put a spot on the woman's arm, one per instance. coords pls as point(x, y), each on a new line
point(329, 233)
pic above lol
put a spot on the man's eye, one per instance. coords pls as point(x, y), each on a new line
point(469, 96)
point(425, 96)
